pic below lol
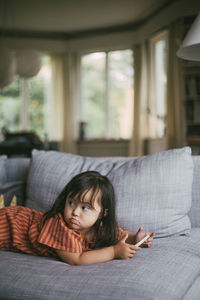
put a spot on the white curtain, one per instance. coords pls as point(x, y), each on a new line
point(174, 96)
point(175, 89)
point(141, 89)
point(63, 104)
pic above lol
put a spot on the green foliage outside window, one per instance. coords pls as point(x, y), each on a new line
point(11, 102)
point(107, 94)
point(93, 83)
point(10, 106)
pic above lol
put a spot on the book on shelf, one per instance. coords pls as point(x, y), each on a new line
point(189, 111)
point(193, 138)
point(193, 130)
point(197, 112)
point(192, 86)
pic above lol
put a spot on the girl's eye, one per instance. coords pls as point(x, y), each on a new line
point(85, 208)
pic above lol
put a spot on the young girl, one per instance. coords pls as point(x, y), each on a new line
point(80, 228)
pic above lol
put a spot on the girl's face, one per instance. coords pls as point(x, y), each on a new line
point(81, 213)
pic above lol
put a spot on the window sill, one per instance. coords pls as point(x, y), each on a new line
point(103, 147)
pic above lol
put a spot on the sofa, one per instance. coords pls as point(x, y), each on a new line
point(160, 191)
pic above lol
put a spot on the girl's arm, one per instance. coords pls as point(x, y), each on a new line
point(120, 250)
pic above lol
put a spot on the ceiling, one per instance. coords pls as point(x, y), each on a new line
point(68, 19)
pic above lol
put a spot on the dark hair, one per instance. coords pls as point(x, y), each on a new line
point(106, 227)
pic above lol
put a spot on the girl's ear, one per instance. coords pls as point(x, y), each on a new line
point(105, 212)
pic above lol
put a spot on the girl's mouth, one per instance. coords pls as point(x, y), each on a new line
point(73, 221)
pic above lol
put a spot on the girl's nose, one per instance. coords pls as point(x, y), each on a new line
point(76, 211)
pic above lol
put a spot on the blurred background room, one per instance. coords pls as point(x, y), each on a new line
point(97, 78)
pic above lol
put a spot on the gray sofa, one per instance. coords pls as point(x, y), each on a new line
point(159, 191)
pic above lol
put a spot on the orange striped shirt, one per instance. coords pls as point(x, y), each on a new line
point(21, 230)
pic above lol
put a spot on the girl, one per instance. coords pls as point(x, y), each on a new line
point(80, 228)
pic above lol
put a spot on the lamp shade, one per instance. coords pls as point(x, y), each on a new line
point(28, 62)
point(7, 67)
point(190, 48)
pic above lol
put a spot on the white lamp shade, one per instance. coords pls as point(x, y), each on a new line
point(28, 62)
point(7, 67)
point(190, 48)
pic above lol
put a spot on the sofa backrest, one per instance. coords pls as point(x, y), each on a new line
point(13, 177)
point(18, 169)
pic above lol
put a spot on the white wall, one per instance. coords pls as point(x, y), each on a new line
point(116, 40)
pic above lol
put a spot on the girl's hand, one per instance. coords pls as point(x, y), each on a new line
point(141, 234)
point(123, 250)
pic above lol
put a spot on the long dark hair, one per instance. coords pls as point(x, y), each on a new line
point(106, 227)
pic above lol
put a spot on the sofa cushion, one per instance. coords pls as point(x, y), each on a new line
point(166, 271)
point(153, 191)
point(3, 173)
point(12, 192)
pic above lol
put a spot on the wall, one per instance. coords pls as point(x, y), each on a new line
point(116, 40)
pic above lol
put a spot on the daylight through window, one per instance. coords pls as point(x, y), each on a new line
point(24, 103)
point(158, 105)
point(107, 94)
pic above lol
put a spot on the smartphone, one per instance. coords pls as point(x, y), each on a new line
point(143, 240)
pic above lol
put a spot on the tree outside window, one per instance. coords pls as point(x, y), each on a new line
point(24, 103)
point(107, 94)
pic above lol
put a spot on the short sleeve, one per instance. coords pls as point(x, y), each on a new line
point(57, 235)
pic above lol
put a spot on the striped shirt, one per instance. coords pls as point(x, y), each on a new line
point(21, 230)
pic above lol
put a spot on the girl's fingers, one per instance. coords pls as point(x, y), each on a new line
point(140, 230)
point(135, 248)
point(124, 237)
point(151, 237)
point(132, 253)
point(152, 234)
point(150, 240)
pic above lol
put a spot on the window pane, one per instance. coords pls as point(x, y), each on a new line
point(11, 106)
point(93, 94)
point(39, 87)
point(160, 77)
point(120, 87)
point(158, 97)
point(107, 94)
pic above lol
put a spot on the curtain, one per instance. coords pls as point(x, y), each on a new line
point(63, 103)
point(57, 99)
point(175, 89)
point(174, 97)
point(141, 88)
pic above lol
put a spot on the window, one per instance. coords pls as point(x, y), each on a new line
point(24, 103)
point(107, 94)
point(157, 107)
